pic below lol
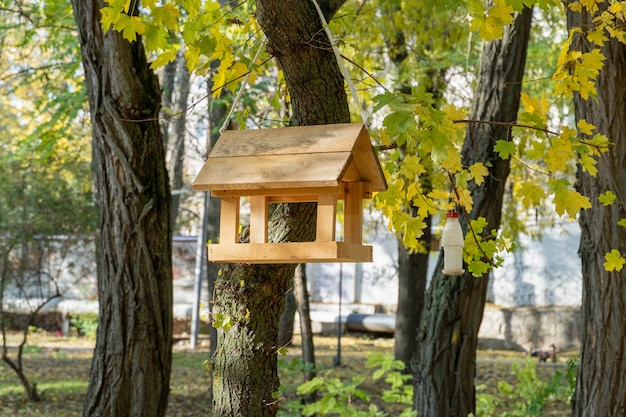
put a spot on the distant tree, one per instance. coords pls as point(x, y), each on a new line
point(130, 371)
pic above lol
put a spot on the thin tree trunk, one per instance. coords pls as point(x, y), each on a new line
point(601, 380)
point(444, 363)
point(302, 298)
point(285, 324)
point(245, 365)
point(177, 155)
point(131, 364)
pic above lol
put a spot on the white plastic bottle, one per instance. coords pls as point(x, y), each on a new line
point(452, 243)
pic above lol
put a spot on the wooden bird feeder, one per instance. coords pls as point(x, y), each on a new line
point(322, 164)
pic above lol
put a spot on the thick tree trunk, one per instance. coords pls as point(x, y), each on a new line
point(245, 364)
point(132, 360)
point(444, 364)
point(601, 380)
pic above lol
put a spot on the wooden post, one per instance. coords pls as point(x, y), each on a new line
point(258, 219)
point(229, 220)
point(326, 218)
point(353, 213)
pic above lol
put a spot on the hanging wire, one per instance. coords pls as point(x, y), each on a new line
point(342, 67)
point(244, 83)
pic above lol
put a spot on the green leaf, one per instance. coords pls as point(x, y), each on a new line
point(505, 148)
point(614, 261)
point(478, 268)
point(607, 198)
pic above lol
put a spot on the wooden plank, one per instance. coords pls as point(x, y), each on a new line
point(267, 172)
point(288, 140)
point(292, 252)
point(258, 219)
point(326, 218)
point(291, 195)
point(353, 213)
point(229, 220)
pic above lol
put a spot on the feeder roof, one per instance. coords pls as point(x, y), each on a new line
point(320, 156)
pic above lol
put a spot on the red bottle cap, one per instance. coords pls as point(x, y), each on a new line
point(452, 214)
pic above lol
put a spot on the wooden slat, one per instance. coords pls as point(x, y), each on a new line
point(229, 220)
point(288, 140)
point(258, 219)
point(291, 195)
point(326, 218)
point(292, 252)
point(353, 213)
point(252, 172)
point(298, 194)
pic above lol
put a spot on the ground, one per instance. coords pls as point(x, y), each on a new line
point(60, 367)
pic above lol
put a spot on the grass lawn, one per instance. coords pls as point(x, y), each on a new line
point(60, 367)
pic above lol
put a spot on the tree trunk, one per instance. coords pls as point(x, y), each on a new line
point(252, 296)
point(412, 275)
point(177, 155)
point(302, 298)
point(444, 363)
point(132, 359)
point(285, 324)
point(601, 380)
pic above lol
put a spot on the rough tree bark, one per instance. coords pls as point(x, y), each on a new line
point(444, 363)
point(131, 365)
point(601, 380)
point(245, 363)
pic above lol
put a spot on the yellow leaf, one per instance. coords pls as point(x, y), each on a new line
point(588, 164)
point(530, 193)
point(614, 261)
point(566, 199)
point(597, 36)
point(585, 128)
point(479, 172)
point(163, 59)
point(219, 79)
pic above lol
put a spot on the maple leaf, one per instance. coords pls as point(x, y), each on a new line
point(505, 148)
point(164, 58)
point(566, 199)
point(614, 261)
point(531, 194)
point(130, 27)
point(155, 37)
point(166, 15)
point(585, 128)
point(607, 198)
point(479, 171)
